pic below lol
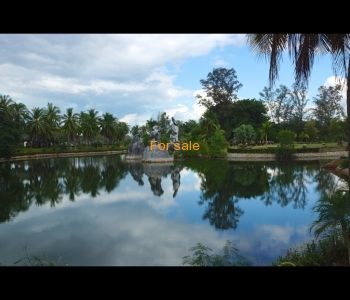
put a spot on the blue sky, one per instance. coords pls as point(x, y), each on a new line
point(134, 76)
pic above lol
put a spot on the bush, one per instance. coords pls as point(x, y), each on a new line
point(286, 147)
point(304, 146)
point(326, 252)
point(240, 146)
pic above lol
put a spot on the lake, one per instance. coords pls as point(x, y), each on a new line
point(105, 211)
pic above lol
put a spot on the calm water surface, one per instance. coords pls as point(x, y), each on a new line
point(103, 210)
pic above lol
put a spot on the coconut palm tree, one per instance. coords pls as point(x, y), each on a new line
point(108, 128)
point(121, 130)
point(20, 114)
point(52, 115)
point(70, 124)
point(89, 124)
point(302, 50)
point(6, 104)
point(37, 125)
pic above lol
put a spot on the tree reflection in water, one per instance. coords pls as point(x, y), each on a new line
point(46, 181)
point(224, 184)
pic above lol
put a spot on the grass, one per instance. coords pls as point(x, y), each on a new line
point(329, 147)
point(56, 150)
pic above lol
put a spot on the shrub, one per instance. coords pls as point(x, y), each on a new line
point(286, 147)
point(240, 146)
point(304, 146)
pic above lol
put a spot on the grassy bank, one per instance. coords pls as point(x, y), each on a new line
point(57, 150)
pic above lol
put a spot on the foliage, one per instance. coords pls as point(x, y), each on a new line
point(265, 130)
point(325, 252)
point(201, 258)
point(337, 129)
point(9, 137)
point(245, 133)
point(328, 106)
point(36, 261)
point(333, 215)
point(248, 111)
point(310, 129)
point(220, 87)
point(217, 145)
point(286, 143)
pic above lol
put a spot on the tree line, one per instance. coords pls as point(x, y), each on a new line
point(47, 127)
point(227, 119)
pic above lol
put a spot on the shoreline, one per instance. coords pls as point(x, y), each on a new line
point(298, 156)
point(54, 155)
point(230, 156)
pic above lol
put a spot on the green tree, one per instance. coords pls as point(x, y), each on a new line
point(52, 115)
point(20, 115)
point(108, 126)
point(121, 129)
point(208, 122)
point(265, 130)
point(245, 133)
point(327, 107)
point(302, 49)
point(310, 129)
point(70, 124)
point(220, 88)
point(6, 104)
point(37, 125)
point(337, 129)
point(9, 137)
point(286, 143)
point(89, 124)
point(248, 111)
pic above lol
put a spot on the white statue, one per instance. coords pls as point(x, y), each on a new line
point(174, 135)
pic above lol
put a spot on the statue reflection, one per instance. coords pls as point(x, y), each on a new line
point(136, 171)
point(155, 172)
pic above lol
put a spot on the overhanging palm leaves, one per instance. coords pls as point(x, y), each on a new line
point(302, 49)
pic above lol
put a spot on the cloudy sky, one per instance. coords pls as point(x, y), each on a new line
point(134, 76)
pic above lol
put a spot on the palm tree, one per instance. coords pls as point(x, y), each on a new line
point(37, 125)
point(334, 212)
point(121, 129)
point(89, 124)
point(52, 115)
point(20, 115)
point(6, 104)
point(70, 124)
point(302, 49)
point(208, 122)
point(265, 129)
point(108, 128)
